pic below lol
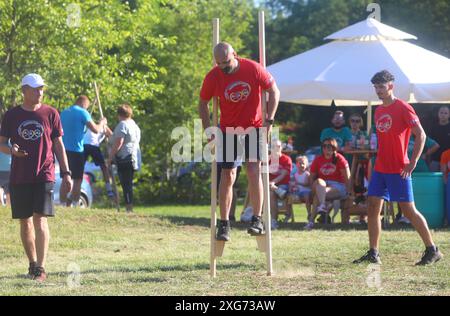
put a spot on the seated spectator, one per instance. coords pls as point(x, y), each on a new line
point(440, 132)
point(300, 187)
point(330, 178)
point(280, 166)
point(445, 168)
point(339, 131)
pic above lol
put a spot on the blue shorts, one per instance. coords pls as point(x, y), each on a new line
point(391, 187)
point(337, 186)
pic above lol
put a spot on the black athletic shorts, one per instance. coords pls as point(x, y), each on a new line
point(30, 198)
point(95, 153)
point(236, 149)
point(76, 164)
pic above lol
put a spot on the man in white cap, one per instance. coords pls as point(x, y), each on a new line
point(35, 132)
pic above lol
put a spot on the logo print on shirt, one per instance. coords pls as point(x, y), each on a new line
point(328, 168)
point(384, 123)
point(30, 130)
point(237, 91)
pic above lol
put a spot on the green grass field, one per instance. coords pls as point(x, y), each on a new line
point(165, 251)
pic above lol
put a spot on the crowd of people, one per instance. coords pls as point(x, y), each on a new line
point(33, 133)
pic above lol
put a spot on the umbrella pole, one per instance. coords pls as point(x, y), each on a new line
point(369, 117)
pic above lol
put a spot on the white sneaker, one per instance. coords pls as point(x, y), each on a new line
point(309, 226)
point(274, 224)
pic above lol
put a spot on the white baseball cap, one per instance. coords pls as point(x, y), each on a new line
point(33, 80)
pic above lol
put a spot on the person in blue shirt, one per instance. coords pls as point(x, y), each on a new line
point(5, 170)
point(75, 121)
point(338, 131)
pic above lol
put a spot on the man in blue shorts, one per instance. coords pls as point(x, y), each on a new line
point(395, 120)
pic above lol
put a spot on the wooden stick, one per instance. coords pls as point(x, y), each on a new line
point(265, 163)
point(216, 245)
point(110, 169)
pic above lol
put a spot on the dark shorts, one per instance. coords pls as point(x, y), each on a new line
point(95, 153)
point(234, 149)
point(30, 198)
point(76, 164)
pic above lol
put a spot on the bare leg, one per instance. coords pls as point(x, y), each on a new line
point(374, 221)
point(76, 191)
point(42, 238)
point(227, 178)
point(273, 205)
point(28, 238)
point(418, 221)
point(255, 186)
point(320, 189)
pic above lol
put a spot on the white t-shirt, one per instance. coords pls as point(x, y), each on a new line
point(94, 139)
point(301, 181)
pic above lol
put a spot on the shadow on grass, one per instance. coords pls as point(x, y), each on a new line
point(142, 269)
point(296, 226)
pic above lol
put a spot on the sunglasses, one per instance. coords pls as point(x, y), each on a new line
point(328, 146)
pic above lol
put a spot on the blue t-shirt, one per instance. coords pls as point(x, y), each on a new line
point(5, 162)
point(342, 137)
point(74, 120)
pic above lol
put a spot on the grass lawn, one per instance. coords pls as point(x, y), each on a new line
point(164, 250)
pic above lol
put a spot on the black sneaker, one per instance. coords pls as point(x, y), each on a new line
point(256, 227)
point(430, 256)
point(39, 274)
point(223, 230)
point(369, 256)
point(31, 269)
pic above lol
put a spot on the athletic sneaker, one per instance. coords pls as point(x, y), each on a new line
point(223, 230)
point(430, 256)
point(110, 193)
point(322, 209)
point(31, 268)
point(274, 224)
point(39, 274)
point(256, 227)
point(369, 256)
point(309, 226)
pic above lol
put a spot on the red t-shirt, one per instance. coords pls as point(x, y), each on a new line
point(284, 163)
point(445, 160)
point(33, 131)
point(326, 170)
point(239, 93)
point(394, 123)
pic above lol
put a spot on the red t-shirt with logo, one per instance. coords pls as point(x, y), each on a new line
point(33, 131)
point(284, 163)
point(239, 93)
point(394, 123)
point(326, 170)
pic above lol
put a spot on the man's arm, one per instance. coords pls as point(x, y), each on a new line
point(60, 152)
point(274, 98)
point(203, 111)
point(419, 143)
point(96, 128)
point(444, 170)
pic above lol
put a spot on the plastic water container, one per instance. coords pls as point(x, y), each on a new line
point(428, 190)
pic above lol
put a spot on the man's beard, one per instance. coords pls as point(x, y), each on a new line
point(227, 70)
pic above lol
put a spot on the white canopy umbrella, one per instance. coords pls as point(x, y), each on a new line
point(341, 70)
